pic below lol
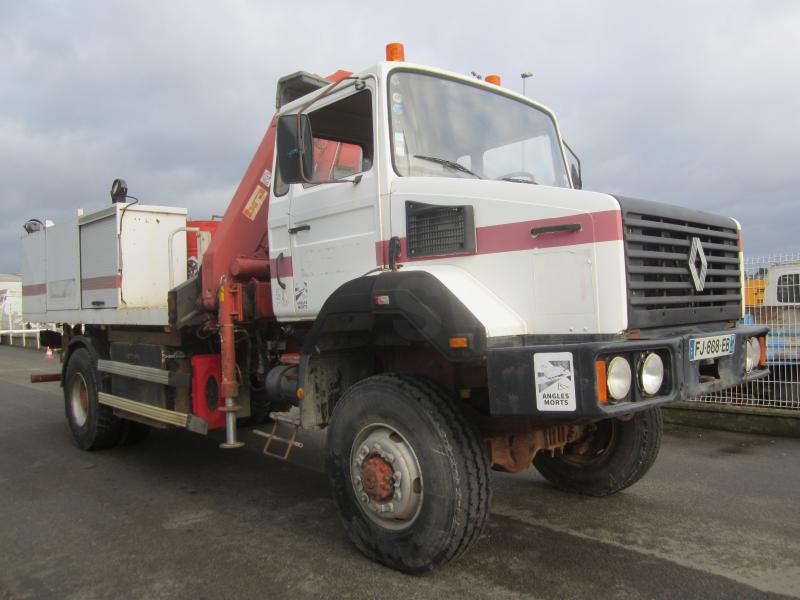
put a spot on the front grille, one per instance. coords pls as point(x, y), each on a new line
point(433, 230)
point(658, 246)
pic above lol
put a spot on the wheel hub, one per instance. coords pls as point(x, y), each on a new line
point(386, 476)
point(79, 400)
point(377, 476)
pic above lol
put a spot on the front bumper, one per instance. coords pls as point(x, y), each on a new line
point(512, 380)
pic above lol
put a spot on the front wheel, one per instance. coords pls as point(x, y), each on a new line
point(613, 454)
point(408, 471)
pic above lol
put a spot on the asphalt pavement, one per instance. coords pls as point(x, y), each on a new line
point(718, 516)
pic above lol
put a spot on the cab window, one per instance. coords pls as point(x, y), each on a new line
point(336, 160)
point(532, 158)
point(343, 137)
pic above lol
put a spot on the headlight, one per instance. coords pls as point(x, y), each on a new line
point(651, 374)
point(753, 355)
point(619, 377)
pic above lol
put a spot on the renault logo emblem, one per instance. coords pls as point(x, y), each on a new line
point(698, 264)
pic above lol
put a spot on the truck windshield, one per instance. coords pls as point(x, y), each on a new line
point(446, 128)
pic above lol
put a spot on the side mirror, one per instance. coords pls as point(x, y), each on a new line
point(295, 149)
point(575, 172)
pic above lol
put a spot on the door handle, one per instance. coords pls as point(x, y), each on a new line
point(293, 230)
point(565, 227)
point(278, 271)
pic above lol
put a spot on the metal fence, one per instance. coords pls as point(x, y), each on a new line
point(14, 331)
point(772, 298)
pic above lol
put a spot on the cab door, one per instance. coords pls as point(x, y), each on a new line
point(333, 223)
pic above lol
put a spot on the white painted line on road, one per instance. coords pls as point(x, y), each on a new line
point(779, 581)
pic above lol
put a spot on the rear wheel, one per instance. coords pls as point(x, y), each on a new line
point(93, 425)
point(409, 474)
point(613, 454)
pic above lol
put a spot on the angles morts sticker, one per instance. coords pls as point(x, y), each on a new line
point(554, 378)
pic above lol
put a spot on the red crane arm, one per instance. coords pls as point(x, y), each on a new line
point(243, 230)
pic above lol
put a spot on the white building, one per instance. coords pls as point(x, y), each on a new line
point(10, 302)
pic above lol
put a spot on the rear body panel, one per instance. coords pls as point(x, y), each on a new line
point(110, 266)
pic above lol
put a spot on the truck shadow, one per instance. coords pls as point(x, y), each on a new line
point(278, 519)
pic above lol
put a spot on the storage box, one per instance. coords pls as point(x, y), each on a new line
point(111, 266)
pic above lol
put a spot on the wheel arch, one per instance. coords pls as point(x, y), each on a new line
point(401, 311)
point(97, 348)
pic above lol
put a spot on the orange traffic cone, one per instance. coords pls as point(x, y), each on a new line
point(49, 354)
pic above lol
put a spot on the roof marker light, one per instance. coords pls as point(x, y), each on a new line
point(495, 79)
point(395, 52)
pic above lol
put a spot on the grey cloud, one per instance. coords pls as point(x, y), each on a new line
point(686, 102)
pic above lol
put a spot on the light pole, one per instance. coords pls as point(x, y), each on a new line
point(524, 76)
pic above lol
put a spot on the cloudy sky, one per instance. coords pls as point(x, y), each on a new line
point(695, 103)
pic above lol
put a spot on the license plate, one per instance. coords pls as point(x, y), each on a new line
point(711, 347)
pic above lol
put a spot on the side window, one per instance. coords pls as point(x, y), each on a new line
point(789, 288)
point(335, 160)
point(343, 137)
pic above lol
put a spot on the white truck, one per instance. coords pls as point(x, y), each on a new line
point(409, 262)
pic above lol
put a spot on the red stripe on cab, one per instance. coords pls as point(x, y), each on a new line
point(596, 227)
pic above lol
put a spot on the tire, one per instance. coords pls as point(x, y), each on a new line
point(133, 432)
point(609, 458)
point(444, 490)
point(93, 425)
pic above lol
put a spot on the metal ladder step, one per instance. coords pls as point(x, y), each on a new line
point(156, 413)
point(292, 419)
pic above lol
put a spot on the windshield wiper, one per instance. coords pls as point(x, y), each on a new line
point(449, 163)
point(518, 180)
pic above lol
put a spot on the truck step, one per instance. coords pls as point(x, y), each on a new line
point(151, 374)
point(292, 419)
point(156, 413)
